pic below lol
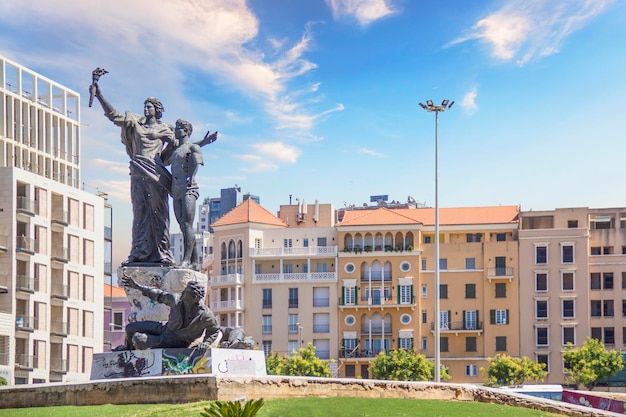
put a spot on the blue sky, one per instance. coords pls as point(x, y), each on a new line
point(319, 98)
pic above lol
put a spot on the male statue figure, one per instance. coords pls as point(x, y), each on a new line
point(184, 162)
point(188, 319)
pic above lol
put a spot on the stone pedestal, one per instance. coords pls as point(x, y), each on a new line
point(160, 362)
point(172, 280)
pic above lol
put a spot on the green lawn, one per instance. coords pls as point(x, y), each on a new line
point(298, 407)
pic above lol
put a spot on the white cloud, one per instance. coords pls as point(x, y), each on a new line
point(371, 152)
point(527, 29)
point(119, 190)
point(278, 151)
point(469, 101)
point(217, 37)
point(364, 11)
point(255, 163)
point(100, 165)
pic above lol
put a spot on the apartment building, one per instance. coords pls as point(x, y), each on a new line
point(51, 235)
point(116, 314)
point(572, 282)
point(277, 276)
point(387, 278)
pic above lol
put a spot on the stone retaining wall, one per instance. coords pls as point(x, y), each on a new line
point(182, 389)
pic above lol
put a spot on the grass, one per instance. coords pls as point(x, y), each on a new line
point(297, 407)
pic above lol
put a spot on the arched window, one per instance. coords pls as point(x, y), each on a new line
point(378, 241)
point(365, 271)
point(223, 251)
point(231, 249)
point(348, 242)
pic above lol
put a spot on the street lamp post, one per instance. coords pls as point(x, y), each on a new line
point(430, 107)
point(299, 336)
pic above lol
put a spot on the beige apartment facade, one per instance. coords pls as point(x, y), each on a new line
point(52, 235)
point(277, 276)
point(572, 282)
point(387, 281)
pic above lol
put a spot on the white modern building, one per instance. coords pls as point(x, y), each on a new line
point(52, 235)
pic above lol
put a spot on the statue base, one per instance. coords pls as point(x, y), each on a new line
point(170, 279)
point(163, 362)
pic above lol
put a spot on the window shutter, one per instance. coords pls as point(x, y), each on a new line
point(343, 295)
point(356, 295)
point(398, 302)
point(463, 319)
point(507, 317)
point(492, 316)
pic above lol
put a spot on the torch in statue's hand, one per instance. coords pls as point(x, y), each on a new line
point(95, 76)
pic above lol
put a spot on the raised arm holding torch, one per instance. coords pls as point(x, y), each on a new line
point(95, 76)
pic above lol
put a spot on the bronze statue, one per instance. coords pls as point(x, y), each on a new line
point(147, 141)
point(184, 161)
point(188, 319)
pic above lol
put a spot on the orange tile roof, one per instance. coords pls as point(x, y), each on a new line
point(249, 212)
point(115, 291)
point(381, 216)
point(447, 216)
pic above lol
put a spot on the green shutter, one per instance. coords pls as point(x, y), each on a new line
point(343, 295)
point(398, 301)
point(356, 295)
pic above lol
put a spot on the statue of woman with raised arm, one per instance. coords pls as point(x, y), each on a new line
point(145, 137)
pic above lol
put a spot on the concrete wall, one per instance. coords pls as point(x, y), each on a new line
point(184, 389)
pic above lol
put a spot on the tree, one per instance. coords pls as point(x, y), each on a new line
point(404, 365)
point(301, 363)
point(3, 381)
point(505, 370)
point(233, 408)
point(591, 362)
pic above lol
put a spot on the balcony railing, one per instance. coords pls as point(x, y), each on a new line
point(454, 326)
point(25, 283)
point(108, 233)
point(375, 328)
point(226, 305)
point(361, 249)
point(58, 365)
point(60, 216)
point(295, 277)
point(379, 301)
point(360, 353)
point(25, 323)
point(4, 284)
point(500, 273)
point(377, 276)
point(60, 291)
point(25, 244)
point(24, 362)
point(26, 205)
point(229, 279)
point(308, 251)
point(59, 328)
point(60, 254)
point(107, 337)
